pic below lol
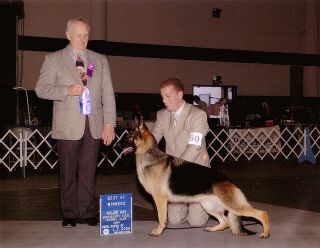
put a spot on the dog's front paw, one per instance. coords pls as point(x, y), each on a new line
point(156, 232)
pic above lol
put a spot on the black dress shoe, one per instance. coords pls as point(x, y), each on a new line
point(91, 221)
point(69, 222)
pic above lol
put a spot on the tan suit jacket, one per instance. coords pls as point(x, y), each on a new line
point(190, 120)
point(57, 72)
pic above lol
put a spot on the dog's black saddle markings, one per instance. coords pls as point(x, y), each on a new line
point(192, 179)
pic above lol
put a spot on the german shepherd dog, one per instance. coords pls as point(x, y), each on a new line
point(170, 179)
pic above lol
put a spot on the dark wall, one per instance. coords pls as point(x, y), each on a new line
point(7, 64)
point(308, 111)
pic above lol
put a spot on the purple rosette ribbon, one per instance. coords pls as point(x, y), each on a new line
point(90, 69)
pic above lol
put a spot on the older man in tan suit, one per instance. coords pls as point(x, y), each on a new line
point(77, 127)
point(184, 128)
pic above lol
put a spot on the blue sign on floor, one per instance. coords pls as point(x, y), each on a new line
point(115, 214)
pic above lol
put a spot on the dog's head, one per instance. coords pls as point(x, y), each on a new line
point(140, 139)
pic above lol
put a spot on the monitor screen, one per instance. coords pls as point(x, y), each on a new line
point(212, 94)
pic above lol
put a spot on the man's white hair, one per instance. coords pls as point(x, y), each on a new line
point(71, 21)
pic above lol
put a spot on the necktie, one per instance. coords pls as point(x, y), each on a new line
point(174, 118)
point(79, 61)
point(82, 71)
point(84, 99)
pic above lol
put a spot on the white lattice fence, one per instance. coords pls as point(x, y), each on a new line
point(23, 147)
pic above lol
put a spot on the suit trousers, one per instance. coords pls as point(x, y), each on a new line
point(193, 213)
point(78, 162)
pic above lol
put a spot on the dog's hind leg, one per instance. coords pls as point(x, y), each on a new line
point(235, 202)
point(223, 224)
point(161, 205)
point(236, 225)
point(215, 210)
point(260, 215)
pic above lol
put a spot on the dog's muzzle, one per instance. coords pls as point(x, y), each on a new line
point(125, 146)
point(127, 150)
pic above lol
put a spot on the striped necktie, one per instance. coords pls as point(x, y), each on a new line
point(80, 66)
point(174, 118)
point(79, 61)
point(84, 99)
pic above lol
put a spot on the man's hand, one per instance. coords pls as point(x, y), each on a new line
point(75, 90)
point(108, 134)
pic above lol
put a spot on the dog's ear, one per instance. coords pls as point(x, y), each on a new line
point(137, 119)
point(141, 122)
